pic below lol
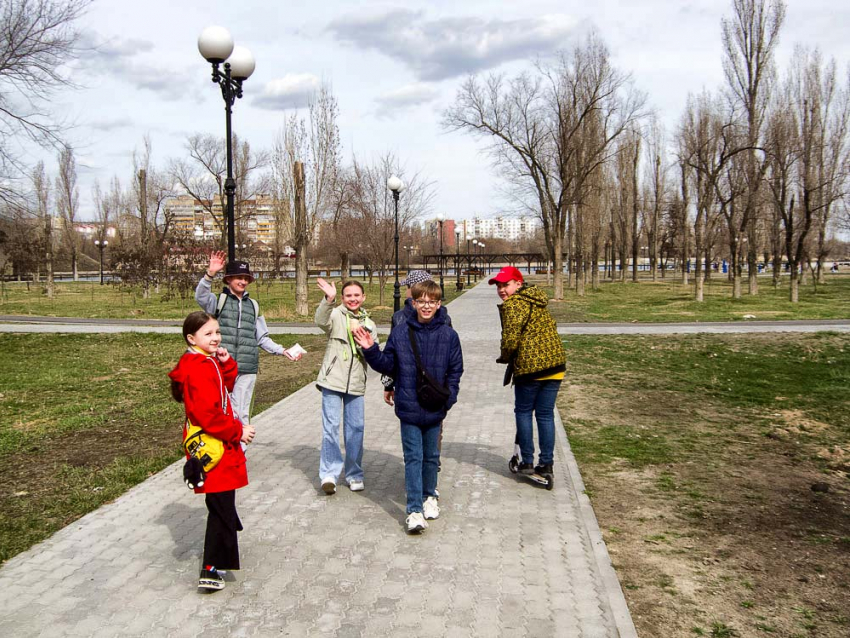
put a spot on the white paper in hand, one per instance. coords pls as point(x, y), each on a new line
point(296, 350)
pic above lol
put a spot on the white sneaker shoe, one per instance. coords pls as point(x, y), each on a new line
point(356, 486)
point(416, 523)
point(430, 508)
point(329, 485)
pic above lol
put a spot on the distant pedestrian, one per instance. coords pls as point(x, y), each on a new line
point(342, 381)
point(243, 327)
point(201, 380)
point(422, 351)
point(535, 356)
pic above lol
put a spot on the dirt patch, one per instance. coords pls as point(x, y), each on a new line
point(742, 532)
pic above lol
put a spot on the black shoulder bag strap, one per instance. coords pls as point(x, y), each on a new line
point(424, 377)
point(412, 335)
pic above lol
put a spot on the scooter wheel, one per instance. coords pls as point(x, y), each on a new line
point(513, 464)
point(550, 481)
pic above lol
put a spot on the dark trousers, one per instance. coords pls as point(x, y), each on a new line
point(221, 546)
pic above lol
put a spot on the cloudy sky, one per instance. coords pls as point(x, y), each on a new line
point(393, 67)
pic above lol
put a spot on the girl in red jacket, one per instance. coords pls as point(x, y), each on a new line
point(201, 380)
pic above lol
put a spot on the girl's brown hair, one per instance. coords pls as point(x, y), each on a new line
point(191, 324)
point(353, 282)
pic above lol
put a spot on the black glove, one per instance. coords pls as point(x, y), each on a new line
point(193, 473)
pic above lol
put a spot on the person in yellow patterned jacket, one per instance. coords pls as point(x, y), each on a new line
point(535, 356)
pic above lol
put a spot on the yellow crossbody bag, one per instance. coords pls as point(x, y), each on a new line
point(207, 449)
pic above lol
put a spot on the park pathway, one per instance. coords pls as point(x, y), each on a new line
point(506, 558)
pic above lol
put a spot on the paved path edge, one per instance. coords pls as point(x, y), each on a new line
point(610, 581)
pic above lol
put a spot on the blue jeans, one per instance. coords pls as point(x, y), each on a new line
point(421, 460)
point(536, 397)
point(337, 406)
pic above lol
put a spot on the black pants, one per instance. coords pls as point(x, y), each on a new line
point(221, 546)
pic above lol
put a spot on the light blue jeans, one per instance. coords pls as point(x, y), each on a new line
point(346, 408)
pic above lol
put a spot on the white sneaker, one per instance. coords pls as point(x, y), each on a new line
point(416, 522)
point(356, 486)
point(329, 485)
point(430, 509)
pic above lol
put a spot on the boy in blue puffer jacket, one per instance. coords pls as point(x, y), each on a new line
point(439, 350)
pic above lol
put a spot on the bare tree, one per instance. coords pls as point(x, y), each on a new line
point(553, 131)
point(68, 203)
point(41, 204)
point(374, 212)
point(656, 192)
point(706, 148)
point(808, 157)
point(750, 38)
point(38, 39)
point(314, 144)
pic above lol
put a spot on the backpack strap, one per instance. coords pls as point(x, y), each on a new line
point(222, 299)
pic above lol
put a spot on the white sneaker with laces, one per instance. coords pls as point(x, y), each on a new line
point(329, 485)
point(356, 486)
point(430, 508)
point(416, 522)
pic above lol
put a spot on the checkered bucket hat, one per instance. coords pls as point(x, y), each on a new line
point(416, 276)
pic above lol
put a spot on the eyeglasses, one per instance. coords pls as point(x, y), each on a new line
point(426, 304)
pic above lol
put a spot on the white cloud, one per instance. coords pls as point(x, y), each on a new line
point(290, 91)
point(452, 46)
point(406, 97)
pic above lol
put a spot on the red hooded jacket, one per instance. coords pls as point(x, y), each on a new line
point(206, 383)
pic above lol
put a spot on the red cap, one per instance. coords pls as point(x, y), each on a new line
point(506, 274)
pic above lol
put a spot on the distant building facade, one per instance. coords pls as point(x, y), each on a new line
point(256, 220)
point(507, 228)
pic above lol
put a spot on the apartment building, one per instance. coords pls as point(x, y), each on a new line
point(255, 219)
point(507, 228)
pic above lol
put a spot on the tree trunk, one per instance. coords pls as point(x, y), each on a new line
point(345, 266)
point(752, 261)
point(301, 241)
point(794, 295)
point(558, 259)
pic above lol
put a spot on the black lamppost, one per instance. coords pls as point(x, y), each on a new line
point(408, 249)
point(481, 250)
point(475, 257)
point(101, 244)
point(396, 185)
point(468, 260)
point(457, 255)
point(440, 219)
point(216, 45)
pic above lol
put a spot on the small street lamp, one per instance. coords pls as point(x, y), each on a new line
point(481, 248)
point(440, 219)
point(469, 259)
point(101, 245)
point(216, 45)
point(408, 249)
point(457, 255)
point(396, 186)
point(475, 257)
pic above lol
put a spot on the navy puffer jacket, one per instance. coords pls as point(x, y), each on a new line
point(439, 349)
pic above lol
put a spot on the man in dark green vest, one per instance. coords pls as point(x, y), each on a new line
point(243, 328)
